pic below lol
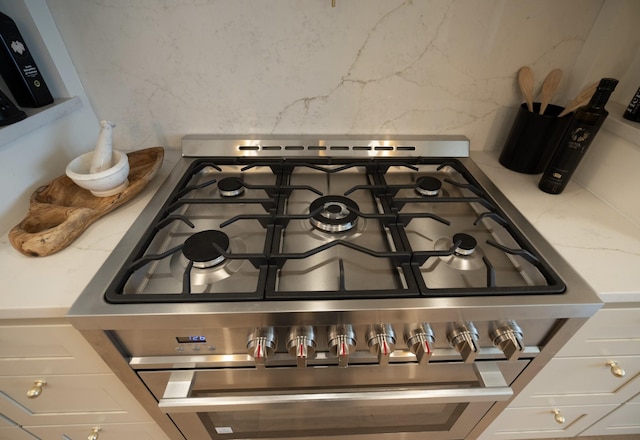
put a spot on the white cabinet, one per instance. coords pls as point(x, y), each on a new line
point(112, 431)
point(45, 347)
point(9, 430)
point(552, 421)
point(584, 380)
point(590, 388)
point(624, 420)
point(53, 385)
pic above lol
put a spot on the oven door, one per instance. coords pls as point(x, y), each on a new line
point(441, 400)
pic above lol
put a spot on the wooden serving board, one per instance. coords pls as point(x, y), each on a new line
point(61, 211)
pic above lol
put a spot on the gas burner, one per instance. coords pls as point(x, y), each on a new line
point(466, 256)
point(230, 187)
point(337, 213)
point(209, 266)
point(467, 244)
point(428, 186)
point(199, 248)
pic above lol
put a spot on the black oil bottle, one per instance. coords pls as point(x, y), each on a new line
point(576, 139)
point(18, 68)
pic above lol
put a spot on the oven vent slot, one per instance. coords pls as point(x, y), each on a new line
point(324, 145)
point(324, 148)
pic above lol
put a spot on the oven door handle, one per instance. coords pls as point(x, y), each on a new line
point(493, 387)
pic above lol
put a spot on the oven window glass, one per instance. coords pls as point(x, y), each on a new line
point(310, 419)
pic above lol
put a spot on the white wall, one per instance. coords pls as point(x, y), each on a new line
point(162, 69)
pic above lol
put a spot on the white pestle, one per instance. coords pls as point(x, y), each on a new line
point(103, 152)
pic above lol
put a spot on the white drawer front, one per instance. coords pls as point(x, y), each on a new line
point(46, 349)
point(540, 422)
point(16, 433)
point(65, 399)
point(116, 431)
point(608, 332)
point(582, 381)
point(624, 420)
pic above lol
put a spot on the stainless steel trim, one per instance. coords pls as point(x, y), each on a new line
point(176, 397)
point(322, 358)
point(324, 146)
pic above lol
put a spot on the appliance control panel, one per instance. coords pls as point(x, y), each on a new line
point(344, 344)
point(382, 340)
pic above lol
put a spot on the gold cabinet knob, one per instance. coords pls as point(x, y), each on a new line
point(616, 369)
point(36, 389)
point(558, 417)
point(333, 3)
point(95, 433)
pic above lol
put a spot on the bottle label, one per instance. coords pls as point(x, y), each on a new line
point(634, 106)
point(578, 138)
point(634, 102)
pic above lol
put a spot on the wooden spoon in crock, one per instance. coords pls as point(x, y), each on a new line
point(549, 87)
point(525, 81)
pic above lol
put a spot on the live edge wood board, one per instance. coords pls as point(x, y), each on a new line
point(61, 211)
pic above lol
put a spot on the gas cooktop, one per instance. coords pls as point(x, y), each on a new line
point(329, 218)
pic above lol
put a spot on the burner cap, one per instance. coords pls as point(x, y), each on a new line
point(467, 244)
point(230, 187)
point(199, 248)
point(337, 213)
point(428, 186)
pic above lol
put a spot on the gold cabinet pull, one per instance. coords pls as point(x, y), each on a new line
point(36, 389)
point(333, 3)
point(616, 369)
point(95, 433)
point(558, 417)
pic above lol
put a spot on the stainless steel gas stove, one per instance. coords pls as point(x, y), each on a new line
point(330, 287)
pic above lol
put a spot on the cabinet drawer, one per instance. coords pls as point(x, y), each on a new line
point(10, 431)
point(111, 431)
point(46, 349)
point(69, 399)
point(584, 381)
point(540, 422)
point(608, 332)
point(16, 433)
point(624, 420)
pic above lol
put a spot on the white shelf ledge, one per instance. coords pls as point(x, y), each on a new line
point(39, 117)
point(616, 124)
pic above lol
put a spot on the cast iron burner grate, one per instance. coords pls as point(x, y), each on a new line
point(403, 198)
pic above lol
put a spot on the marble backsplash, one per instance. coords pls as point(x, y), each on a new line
point(162, 69)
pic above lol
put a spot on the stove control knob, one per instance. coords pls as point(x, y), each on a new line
point(381, 340)
point(464, 338)
point(261, 344)
point(302, 343)
point(342, 341)
point(419, 339)
point(508, 337)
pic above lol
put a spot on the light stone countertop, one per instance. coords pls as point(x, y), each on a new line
point(599, 242)
point(594, 238)
point(46, 287)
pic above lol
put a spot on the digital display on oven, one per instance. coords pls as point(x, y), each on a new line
point(190, 339)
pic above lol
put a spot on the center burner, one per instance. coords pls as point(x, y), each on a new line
point(334, 213)
point(199, 248)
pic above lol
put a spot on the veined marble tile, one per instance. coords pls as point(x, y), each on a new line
point(162, 69)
